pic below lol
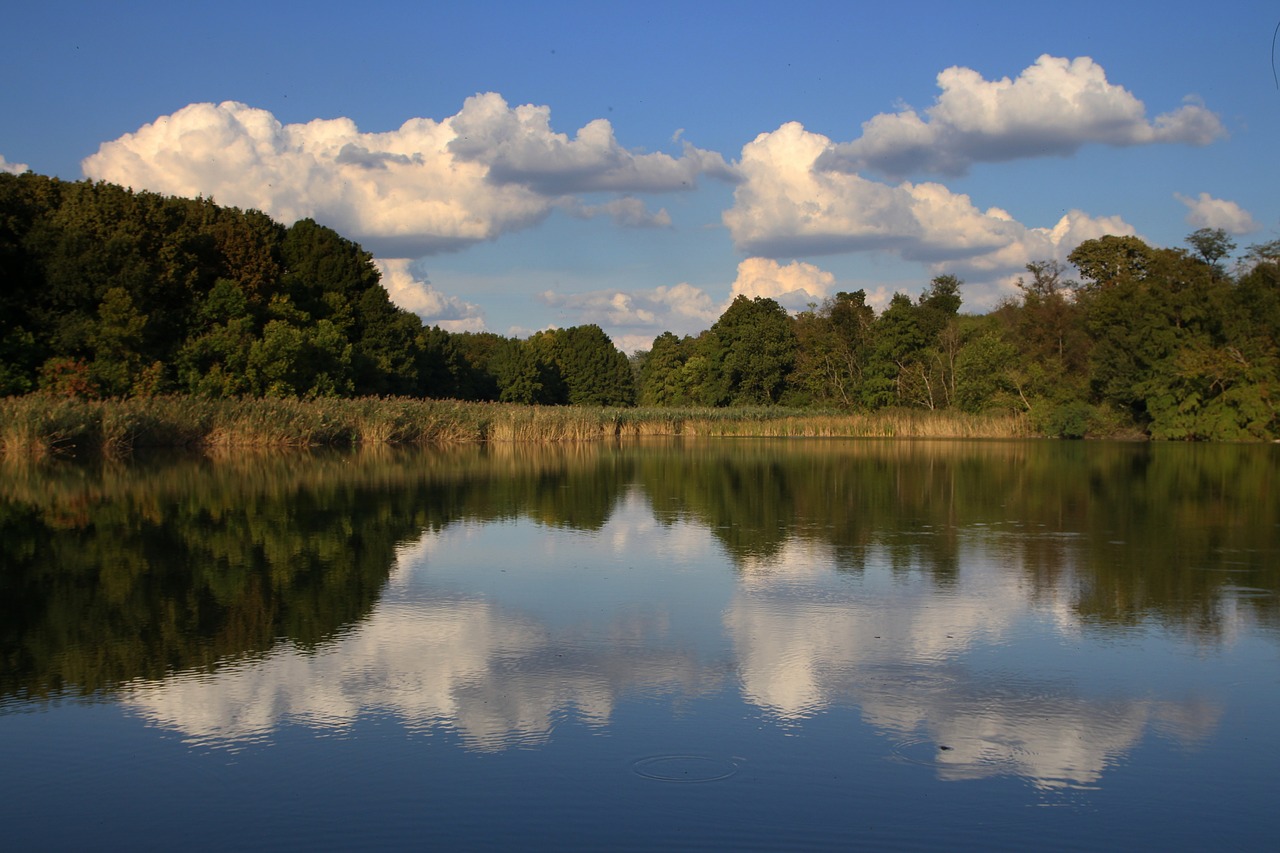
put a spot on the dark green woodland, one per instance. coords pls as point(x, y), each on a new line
point(106, 292)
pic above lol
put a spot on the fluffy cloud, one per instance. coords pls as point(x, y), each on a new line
point(634, 319)
point(518, 146)
point(427, 187)
point(1205, 211)
point(787, 206)
point(1052, 108)
point(415, 294)
point(794, 285)
point(12, 168)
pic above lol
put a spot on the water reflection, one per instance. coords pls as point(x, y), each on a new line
point(963, 599)
point(903, 653)
point(437, 660)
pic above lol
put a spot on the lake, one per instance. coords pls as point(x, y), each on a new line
point(698, 645)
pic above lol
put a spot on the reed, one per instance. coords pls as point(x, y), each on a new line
point(39, 425)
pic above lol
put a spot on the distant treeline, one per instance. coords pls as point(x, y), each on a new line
point(109, 292)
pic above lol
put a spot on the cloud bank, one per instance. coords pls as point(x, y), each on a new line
point(491, 169)
point(1205, 211)
point(794, 286)
point(428, 187)
point(635, 318)
point(789, 206)
point(1052, 108)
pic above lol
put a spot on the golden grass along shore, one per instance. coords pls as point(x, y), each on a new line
point(38, 425)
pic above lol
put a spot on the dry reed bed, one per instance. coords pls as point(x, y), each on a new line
point(40, 425)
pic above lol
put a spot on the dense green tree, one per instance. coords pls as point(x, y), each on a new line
point(939, 307)
point(116, 340)
point(833, 347)
point(1108, 261)
point(524, 375)
point(658, 376)
point(215, 358)
point(939, 304)
point(894, 371)
point(21, 353)
point(595, 373)
point(387, 354)
point(1050, 373)
point(757, 348)
point(439, 364)
point(477, 371)
point(124, 283)
point(1211, 245)
point(249, 251)
point(988, 373)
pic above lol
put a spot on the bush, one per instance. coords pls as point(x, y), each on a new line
point(1073, 419)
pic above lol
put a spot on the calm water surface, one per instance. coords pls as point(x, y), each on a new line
point(702, 645)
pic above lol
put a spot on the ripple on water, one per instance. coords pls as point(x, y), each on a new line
point(685, 768)
point(965, 758)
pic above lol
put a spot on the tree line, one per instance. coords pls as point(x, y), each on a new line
point(109, 292)
point(1166, 341)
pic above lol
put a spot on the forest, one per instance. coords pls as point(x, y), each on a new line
point(109, 293)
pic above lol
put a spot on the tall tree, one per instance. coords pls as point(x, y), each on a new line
point(833, 348)
point(659, 385)
point(1211, 245)
point(594, 371)
point(759, 350)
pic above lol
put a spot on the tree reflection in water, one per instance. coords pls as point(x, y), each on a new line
point(497, 591)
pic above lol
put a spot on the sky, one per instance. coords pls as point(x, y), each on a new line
point(520, 166)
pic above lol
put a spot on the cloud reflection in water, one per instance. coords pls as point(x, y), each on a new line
point(797, 638)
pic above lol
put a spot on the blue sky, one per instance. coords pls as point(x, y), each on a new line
point(515, 166)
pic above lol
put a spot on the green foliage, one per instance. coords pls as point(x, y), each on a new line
point(756, 351)
point(112, 293)
point(658, 381)
point(524, 376)
point(595, 373)
point(833, 348)
point(153, 293)
point(1110, 260)
point(1211, 245)
point(116, 341)
point(1066, 420)
point(18, 355)
point(985, 374)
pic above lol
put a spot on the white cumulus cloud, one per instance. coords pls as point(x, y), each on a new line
point(12, 168)
point(518, 146)
point(426, 187)
point(1053, 107)
point(786, 206)
point(412, 293)
point(794, 285)
point(633, 319)
point(1205, 211)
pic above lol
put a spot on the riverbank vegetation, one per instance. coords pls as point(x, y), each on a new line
point(44, 425)
point(233, 319)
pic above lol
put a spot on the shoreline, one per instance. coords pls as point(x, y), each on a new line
point(43, 426)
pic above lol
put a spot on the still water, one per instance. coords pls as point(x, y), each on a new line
point(715, 645)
